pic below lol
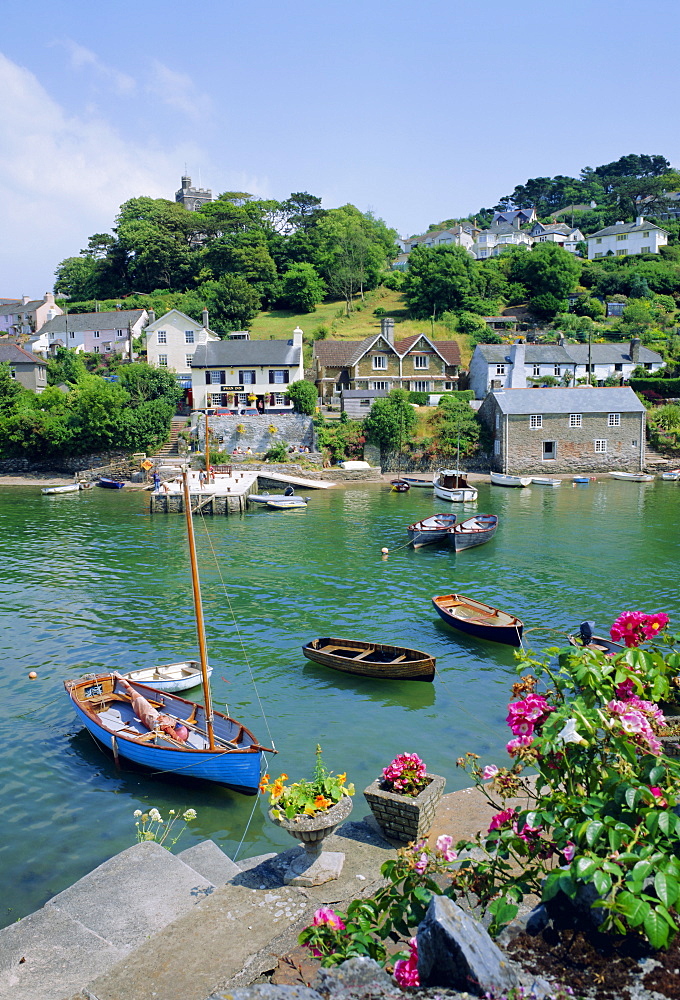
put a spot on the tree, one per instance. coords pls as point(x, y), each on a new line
point(231, 300)
point(549, 272)
point(75, 277)
point(66, 366)
point(391, 420)
point(588, 306)
point(637, 317)
point(454, 420)
point(301, 288)
point(10, 389)
point(303, 395)
point(440, 278)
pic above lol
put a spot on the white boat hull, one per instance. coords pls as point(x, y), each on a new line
point(466, 495)
point(502, 479)
point(72, 488)
point(633, 477)
point(670, 477)
point(542, 481)
point(169, 676)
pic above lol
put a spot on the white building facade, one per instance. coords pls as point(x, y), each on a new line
point(626, 238)
point(171, 340)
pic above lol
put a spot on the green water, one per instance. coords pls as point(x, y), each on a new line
point(92, 582)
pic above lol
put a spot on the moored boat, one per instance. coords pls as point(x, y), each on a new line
point(503, 479)
point(474, 531)
point(109, 484)
point(371, 659)
point(478, 619)
point(399, 486)
point(451, 485)
point(287, 503)
point(70, 488)
point(583, 480)
point(431, 529)
point(633, 477)
point(584, 639)
point(671, 476)
point(545, 481)
point(423, 484)
point(169, 676)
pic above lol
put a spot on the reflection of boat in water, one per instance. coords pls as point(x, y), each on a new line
point(403, 694)
point(177, 737)
point(371, 659)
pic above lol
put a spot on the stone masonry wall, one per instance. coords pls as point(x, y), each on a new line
point(291, 429)
point(575, 446)
point(66, 464)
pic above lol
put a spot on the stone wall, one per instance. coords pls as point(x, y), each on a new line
point(67, 465)
point(291, 429)
point(575, 446)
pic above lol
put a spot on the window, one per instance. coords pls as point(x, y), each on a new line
point(598, 240)
point(600, 446)
point(12, 373)
point(188, 358)
point(500, 369)
point(646, 234)
point(644, 250)
point(496, 447)
point(120, 333)
point(536, 420)
point(448, 387)
point(599, 255)
point(247, 377)
point(558, 370)
point(537, 370)
point(96, 348)
point(188, 336)
point(243, 398)
point(385, 386)
point(420, 386)
point(622, 236)
point(279, 376)
point(162, 336)
point(575, 420)
point(365, 404)
point(72, 336)
point(549, 450)
point(96, 334)
point(621, 253)
point(421, 361)
point(214, 378)
point(215, 398)
point(379, 361)
point(614, 420)
point(498, 420)
point(618, 368)
point(279, 399)
point(634, 444)
point(162, 360)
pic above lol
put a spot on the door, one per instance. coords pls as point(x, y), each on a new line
point(549, 450)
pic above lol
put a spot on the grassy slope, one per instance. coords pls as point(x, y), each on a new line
point(361, 323)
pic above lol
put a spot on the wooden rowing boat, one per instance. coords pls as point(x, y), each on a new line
point(478, 619)
point(169, 676)
point(423, 484)
point(371, 659)
point(70, 488)
point(584, 639)
point(633, 477)
point(109, 484)
point(451, 485)
point(545, 481)
point(474, 531)
point(431, 529)
point(399, 486)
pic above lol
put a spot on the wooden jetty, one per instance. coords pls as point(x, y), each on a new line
point(226, 494)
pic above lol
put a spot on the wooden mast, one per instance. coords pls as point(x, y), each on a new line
point(198, 608)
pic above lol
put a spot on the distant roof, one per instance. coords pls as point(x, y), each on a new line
point(20, 307)
point(338, 353)
point(611, 354)
point(116, 319)
point(580, 399)
point(533, 353)
point(363, 393)
point(625, 227)
point(555, 227)
point(569, 354)
point(17, 355)
point(232, 353)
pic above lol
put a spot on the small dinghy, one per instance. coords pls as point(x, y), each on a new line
point(545, 481)
point(287, 503)
point(109, 484)
point(52, 490)
point(583, 480)
point(431, 529)
point(672, 476)
point(503, 479)
point(584, 639)
point(478, 619)
point(423, 484)
point(633, 477)
point(475, 531)
point(169, 676)
point(371, 659)
point(400, 486)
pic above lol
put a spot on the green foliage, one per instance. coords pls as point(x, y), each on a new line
point(419, 398)
point(341, 439)
point(441, 278)
point(391, 420)
point(452, 420)
point(666, 387)
point(304, 396)
point(394, 280)
point(590, 307)
point(277, 453)
point(549, 272)
point(306, 797)
point(301, 288)
point(666, 417)
point(66, 367)
point(10, 389)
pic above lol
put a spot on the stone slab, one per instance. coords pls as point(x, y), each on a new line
point(324, 868)
point(133, 895)
point(210, 861)
point(253, 862)
point(48, 955)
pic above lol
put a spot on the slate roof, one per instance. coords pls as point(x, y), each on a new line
point(625, 227)
point(581, 399)
point(82, 322)
point(235, 353)
point(553, 227)
point(533, 354)
point(605, 354)
point(571, 354)
point(342, 353)
point(14, 308)
point(17, 355)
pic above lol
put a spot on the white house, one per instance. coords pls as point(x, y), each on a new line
point(519, 366)
point(494, 240)
point(626, 238)
point(96, 332)
point(171, 340)
point(250, 373)
point(25, 316)
point(568, 237)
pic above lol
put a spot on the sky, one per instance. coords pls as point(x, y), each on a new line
point(416, 111)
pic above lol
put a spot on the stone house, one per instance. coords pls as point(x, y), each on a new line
point(380, 363)
point(498, 366)
point(548, 431)
point(246, 373)
point(626, 238)
point(25, 316)
point(109, 332)
point(191, 197)
point(25, 367)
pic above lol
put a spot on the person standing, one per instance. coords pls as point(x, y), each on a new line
point(156, 482)
point(202, 478)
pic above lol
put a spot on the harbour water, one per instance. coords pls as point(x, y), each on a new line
point(92, 582)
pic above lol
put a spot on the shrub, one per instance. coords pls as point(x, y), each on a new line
point(419, 398)
point(277, 453)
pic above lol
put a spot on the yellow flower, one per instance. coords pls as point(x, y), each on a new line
point(342, 778)
point(277, 788)
point(321, 802)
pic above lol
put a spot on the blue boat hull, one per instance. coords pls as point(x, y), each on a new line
point(110, 484)
point(509, 634)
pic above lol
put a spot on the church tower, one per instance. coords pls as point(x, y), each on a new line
point(192, 198)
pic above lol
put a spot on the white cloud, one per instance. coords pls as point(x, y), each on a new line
point(63, 177)
point(81, 57)
point(178, 91)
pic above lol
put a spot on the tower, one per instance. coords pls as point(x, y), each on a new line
point(192, 198)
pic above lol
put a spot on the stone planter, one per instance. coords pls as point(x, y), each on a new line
point(315, 866)
point(403, 817)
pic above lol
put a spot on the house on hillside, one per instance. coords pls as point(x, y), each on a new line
point(25, 316)
point(557, 232)
point(626, 238)
point(551, 431)
point(519, 365)
point(96, 332)
point(514, 217)
point(380, 363)
point(497, 238)
point(171, 341)
point(246, 373)
point(24, 366)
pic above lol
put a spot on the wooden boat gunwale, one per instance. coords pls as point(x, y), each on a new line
point(405, 664)
point(506, 628)
point(471, 529)
point(425, 533)
point(597, 644)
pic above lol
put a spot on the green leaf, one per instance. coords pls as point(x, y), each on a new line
point(593, 832)
point(632, 796)
point(656, 929)
point(551, 886)
point(666, 888)
point(602, 882)
point(585, 867)
point(634, 909)
point(656, 774)
point(567, 885)
point(668, 822)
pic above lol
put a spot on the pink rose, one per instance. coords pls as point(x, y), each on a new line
point(325, 915)
point(501, 819)
point(514, 746)
point(569, 851)
point(406, 969)
point(490, 771)
point(444, 846)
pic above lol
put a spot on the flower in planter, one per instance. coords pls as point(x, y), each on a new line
point(406, 774)
point(305, 797)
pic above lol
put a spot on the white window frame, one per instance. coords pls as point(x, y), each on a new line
point(380, 362)
point(162, 361)
point(600, 446)
point(188, 358)
point(500, 369)
point(575, 419)
point(279, 399)
point(95, 349)
point(420, 387)
point(365, 404)
point(380, 386)
point(558, 371)
point(215, 398)
point(421, 361)
point(120, 333)
point(95, 334)
point(12, 373)
point(251, 378)
point(537, 370)
point(162, 336)
point(215, 378)
point(72, 335)
point(614, 420)
point(189, 337)
point(535, 420)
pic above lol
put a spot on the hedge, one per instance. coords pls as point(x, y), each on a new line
point(666, 387)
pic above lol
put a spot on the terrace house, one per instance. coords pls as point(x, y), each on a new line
point(581, 429)
point(25, 367)
point(96, 332)
point(25, 316)
point(497, 238)
point(626, 238)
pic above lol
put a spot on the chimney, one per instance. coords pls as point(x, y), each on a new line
point(204, 318)
point(297, 337)
point(516, 222)
point(49, 297)
point(634, 350)
point(25, 299)
point(560, 340)
point(518, 379)
point(152, 315)
point(387, 329)
point(639, 220)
